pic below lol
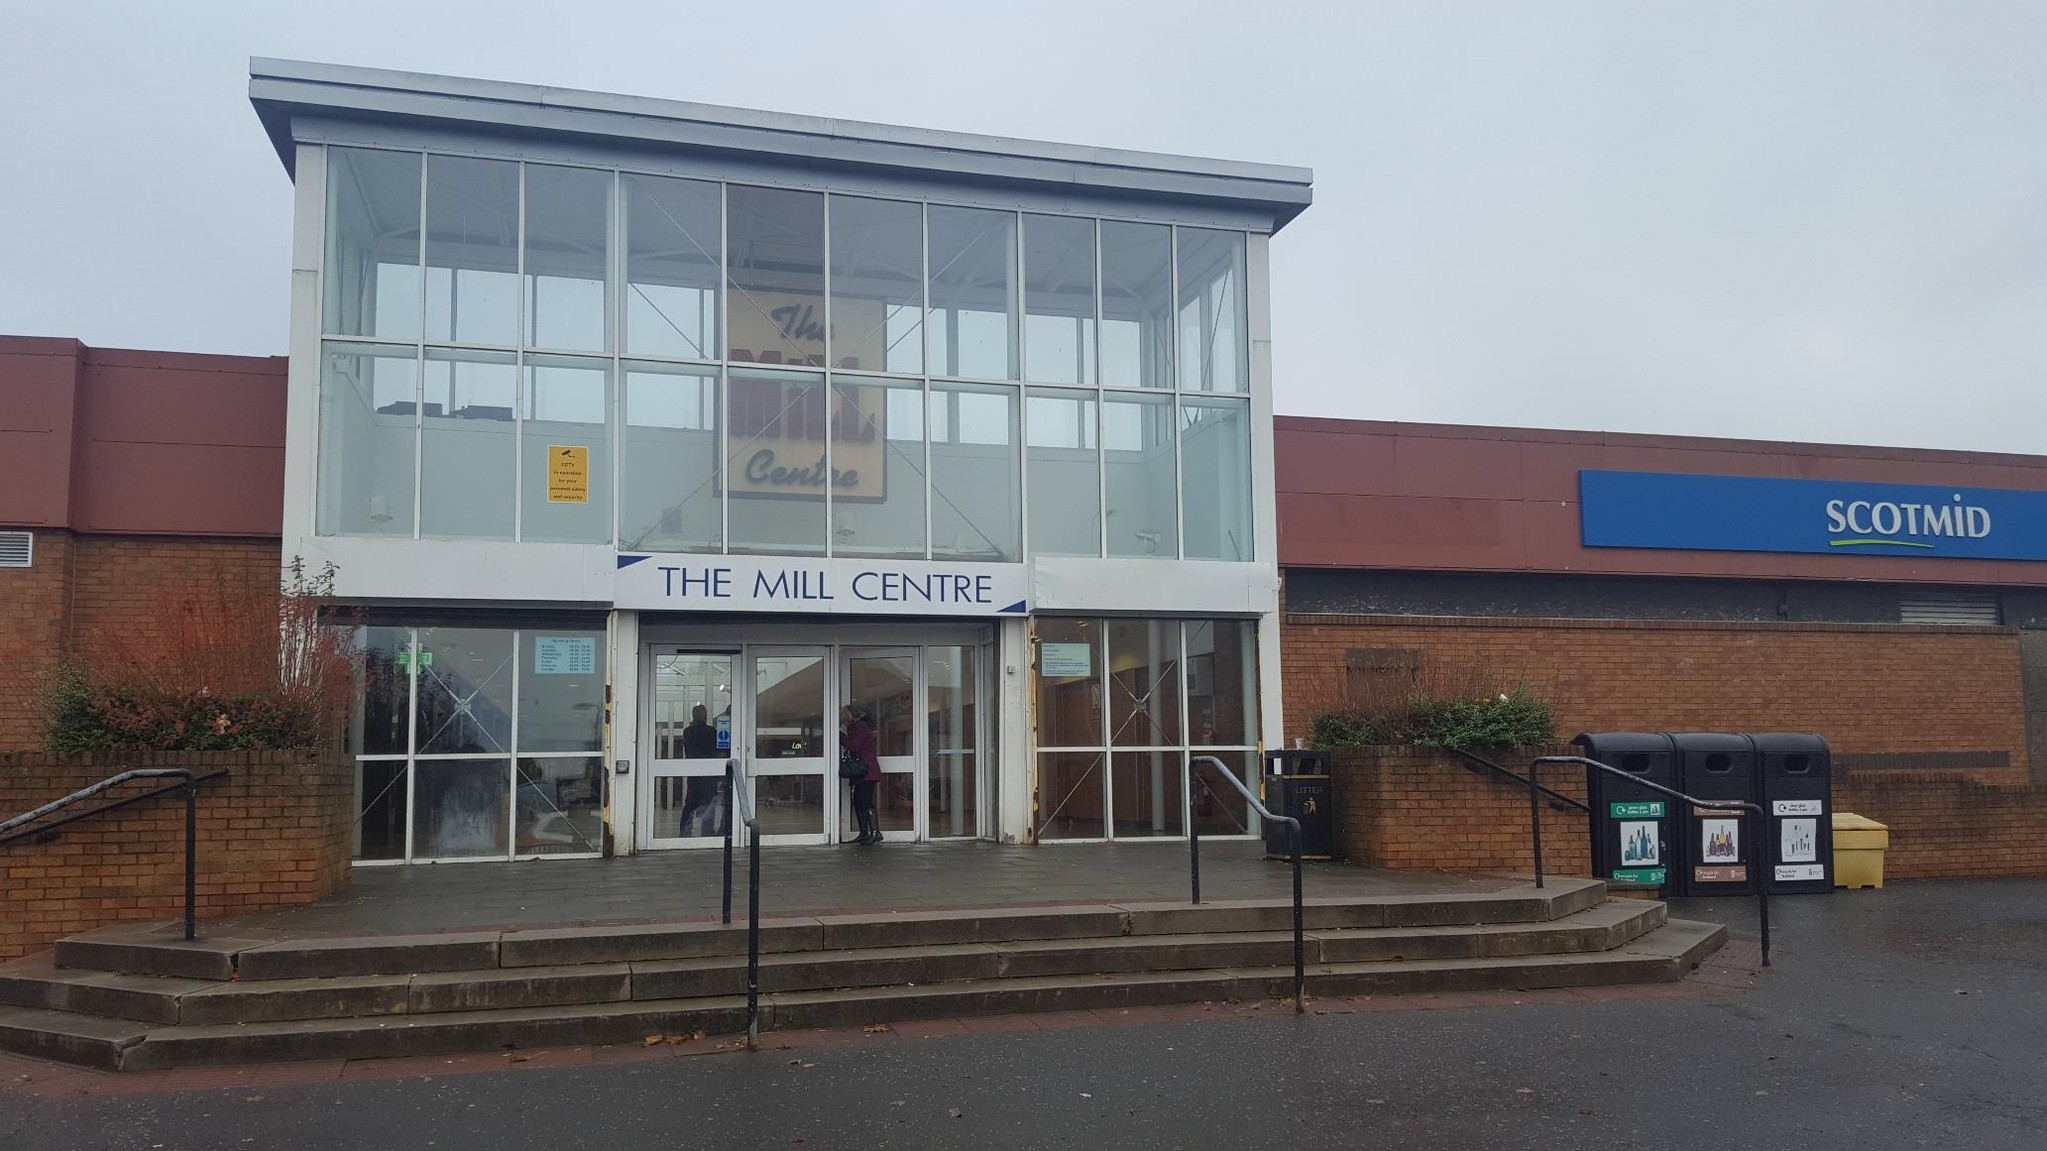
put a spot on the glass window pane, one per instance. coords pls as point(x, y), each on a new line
point(561, 690)
point(383, 702)
point(459, 808)
point(1059, 300)
point(1064, 473)
point(951, 679)
point(372, 244)
point(1144, 683)
point(1218, 808)
point(559, 806)
point(566, 480)
point(788, 706)
point(777, 462)
point(1137, 305)
point(976, 486)
point(671, 267)
point(668, 480)
point(877, 284)
point(468, 470)
point(1215, 478)
point(1137, 442)
point(380, 805)
point(878, 460)
point(1070, 786)
point(465, 691)
point(775, 244)
point(568, 258)
point(1222, 683)
point(790, 804)
point(973, 293)
point(472, 250)
point(1069, 682)
point(1144, 794)
point(369, 405)
point(1214, 355)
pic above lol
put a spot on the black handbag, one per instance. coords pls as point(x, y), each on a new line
point(851, 766)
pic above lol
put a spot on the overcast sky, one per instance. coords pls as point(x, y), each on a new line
point(1818, 221)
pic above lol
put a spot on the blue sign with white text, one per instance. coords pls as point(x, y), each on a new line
point(1822, 517)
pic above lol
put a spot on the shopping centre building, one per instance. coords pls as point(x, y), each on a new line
point(618, 418)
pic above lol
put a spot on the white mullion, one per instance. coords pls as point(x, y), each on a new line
point(419, 400)
point(1173, 433)
point(520, 383)
point(512, 760)
point(722, 400)
point(1101, 415)
point(831, 395)
point(411, 734)
point(924, 334)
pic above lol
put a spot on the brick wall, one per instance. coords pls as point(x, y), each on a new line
point(276, 832)
point(1867, 688)
point(1943, 826)
point(83, 590)
point(34, 626)
point(1420, 810)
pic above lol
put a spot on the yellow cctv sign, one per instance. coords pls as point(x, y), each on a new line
point(568, 474)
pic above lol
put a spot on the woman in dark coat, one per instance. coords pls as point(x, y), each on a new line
point(856, 737)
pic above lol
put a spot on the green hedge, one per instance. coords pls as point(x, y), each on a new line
point(1511, 719)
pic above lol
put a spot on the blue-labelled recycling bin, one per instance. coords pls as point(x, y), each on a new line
point(1798, 849)
point(1298, 783)
point(1633, 828)
point(1716, 856)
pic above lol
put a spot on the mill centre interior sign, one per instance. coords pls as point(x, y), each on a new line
point(1823, 517)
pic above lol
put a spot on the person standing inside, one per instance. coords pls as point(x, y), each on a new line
point(857, 738)
point(700, 807)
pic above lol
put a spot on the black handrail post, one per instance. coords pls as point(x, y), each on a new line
point(191, 858)
point(1300, 963)
point(1535, 821)
point(731, 813)
point(1193, 831)
point(753, 938)
point(1762, 881)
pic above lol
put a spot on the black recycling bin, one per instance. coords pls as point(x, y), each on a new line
point(1297, 783)
point(1634, 830)
point(1715, 853)
point(1798, 848)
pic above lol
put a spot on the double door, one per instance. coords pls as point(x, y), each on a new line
point(777, 708)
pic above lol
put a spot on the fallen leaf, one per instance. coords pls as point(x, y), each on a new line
point(252, 1099)
point(1524, 1090)
point(650, 1041)
point(954, 1112)
point(877, 1028)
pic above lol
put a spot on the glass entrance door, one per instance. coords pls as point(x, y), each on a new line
point(791, 744)
point(881, 684)
point(691, 730)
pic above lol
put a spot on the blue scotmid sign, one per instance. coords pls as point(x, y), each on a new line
point(1824, 517)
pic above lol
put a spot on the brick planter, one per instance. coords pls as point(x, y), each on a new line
point(276, 832)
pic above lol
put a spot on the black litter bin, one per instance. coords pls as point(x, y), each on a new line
point(1717, 856)
point(1633, 828)
point(1297, 783)
point(1798, 849)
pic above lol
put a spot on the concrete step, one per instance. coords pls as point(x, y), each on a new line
point(603, 1003)
point(154, 950)
point(196, 1003)
point(69, 1037)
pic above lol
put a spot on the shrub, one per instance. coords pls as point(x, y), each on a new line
point(223, 671)
point(1458, 708)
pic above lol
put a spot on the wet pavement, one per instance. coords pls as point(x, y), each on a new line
point(1911, 1017)
point(689, 885)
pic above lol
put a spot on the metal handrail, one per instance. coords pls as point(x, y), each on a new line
point(740, 787)
point(20, 829)
point(1557, 799)
point(1194, 858)
point(1755, 833)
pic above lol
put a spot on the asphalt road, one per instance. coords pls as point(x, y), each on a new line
point(1911, 1017)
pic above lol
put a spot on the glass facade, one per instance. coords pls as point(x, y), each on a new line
point(1121, 704)
point(543, 352)
point(479, 743)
